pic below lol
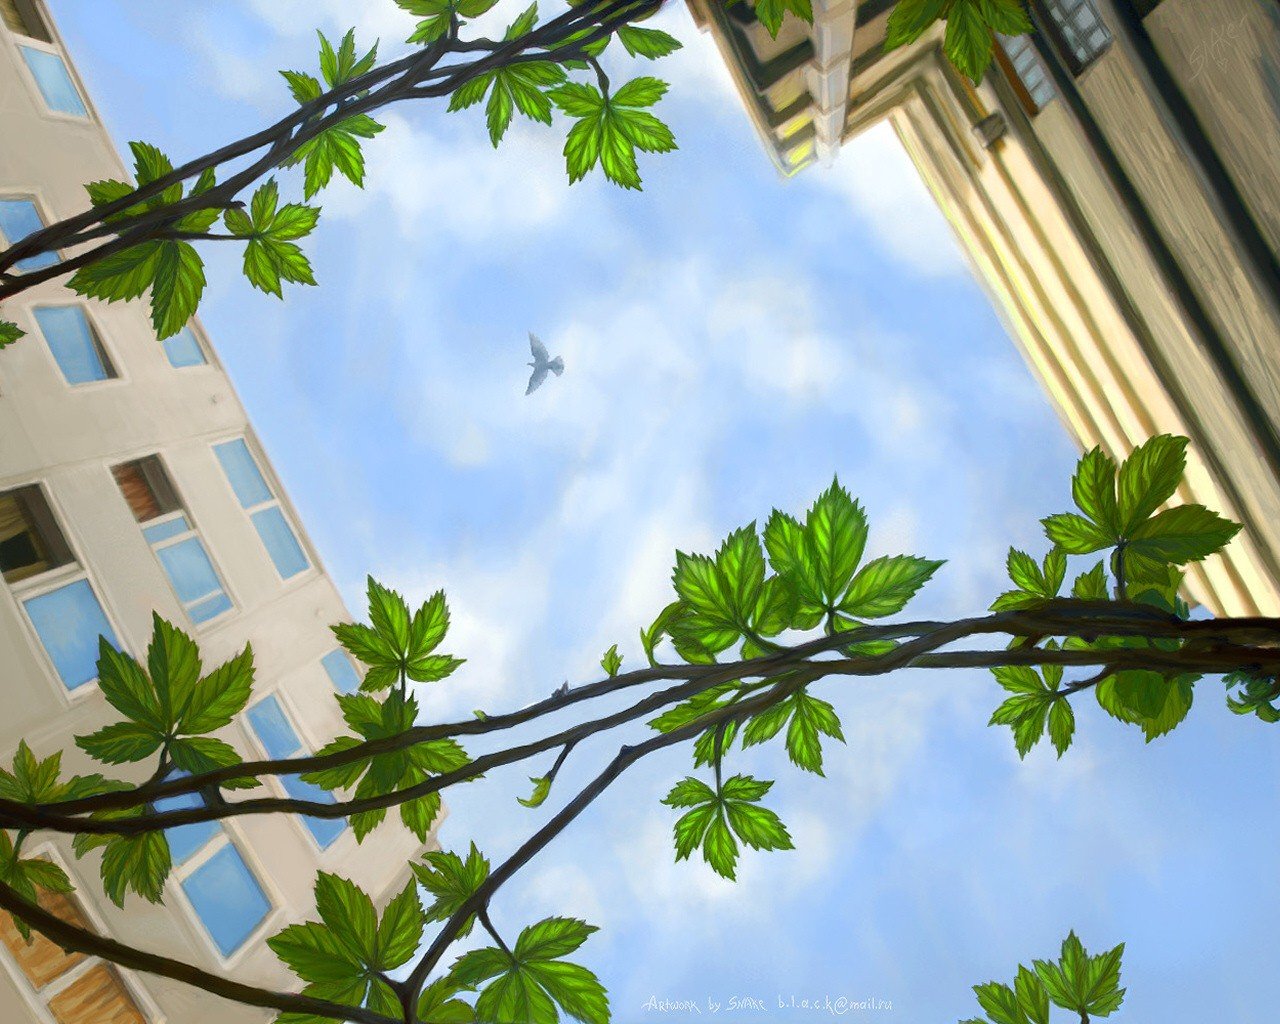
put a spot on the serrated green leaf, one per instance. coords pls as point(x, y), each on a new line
point(885, 585)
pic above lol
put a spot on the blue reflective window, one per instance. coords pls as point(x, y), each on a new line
point(273, 729)
point(55, 83)
point(73, 344)
point(189, 569)
point(19, 218)
point(169, 528)
point(210, 608)
point(69, 621)
point(186, 839)
point(228, 899)
point(183, 349)
point(342, 673)
point(325, 830)
point(281, 544)
point(242, 471)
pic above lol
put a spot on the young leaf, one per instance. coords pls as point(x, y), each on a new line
point(612, 661)
point(9, 333)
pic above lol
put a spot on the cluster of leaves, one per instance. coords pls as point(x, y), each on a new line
point(528, 981)
point(1117, 511)
point(35, 782)
point(729, 600)
point(170, 266)
point(718, 815)
point(345, 956)
point(397, 647)
point(338, 146)
point(1083, 984)
point(1255, 695)
point(169, 708)
point(971, 28)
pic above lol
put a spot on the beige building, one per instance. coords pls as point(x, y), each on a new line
point(131, 480)
point(1115, 182)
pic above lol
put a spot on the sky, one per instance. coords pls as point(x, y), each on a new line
point(732, 341)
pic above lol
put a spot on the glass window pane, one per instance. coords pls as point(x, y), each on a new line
point(72, 342)
point(69, 621)
point(210, 608)
point(55, 83)
point(342, 673)
point(228, 899)
point(325, 830)
point(186, 839)
point(242, 471)
point(282, 545)
point(183, 349)
point(19, 218)
point(189, 569)
point(169, 528)
point(273, 729)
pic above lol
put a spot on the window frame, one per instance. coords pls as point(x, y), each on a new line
point(1078, 66)
point(55, 579)
point(227, 834)
point(202, 346)
point(193, 531)
point(36, 199)
point(38, 999)
point(112, 362)
point(306, 748)
point(277, 500)
point(55, 48)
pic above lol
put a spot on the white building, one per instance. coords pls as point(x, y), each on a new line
point(131, 481)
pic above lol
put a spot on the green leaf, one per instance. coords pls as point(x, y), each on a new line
point(523, 24)
point(644, 91)
point(470, 93)
point(121, 275)
point(1146, 699)
point(704, 590)
point(758, 827)
point(541, 789)
point(1185, 533)
point(575, 988)
point(173, 662)
point(1148, 478)
point(689, 792)
point(499, 109)
point(1062, 725)
point(968, 43)
point(304, 87)
point(139, 863)
point(314, 953)
point(1094, 489)
point(176, 288)
point(126, 687)
point(1000, 1003)
point(885, 585)
point(577, 99)
point(436, 1005)
point(611, 662)
point(909, 21)
point(552, 938)
point(836, 528)
point(719, 848)
point(121, 743)
point(201, 754)
point(400, 930)
point(792, 556)
point(9, 333)
point(1005, 16)
point(811, 718)
point(691, 829)
point(1075, 534)
point(647, 42)
point(1091, 585)
point(219, 696)
point(347, 911)
point(451, 880)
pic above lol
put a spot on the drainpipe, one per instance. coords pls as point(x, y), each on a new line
point(1179, 286)
point(1187, 129)
point(828, 73)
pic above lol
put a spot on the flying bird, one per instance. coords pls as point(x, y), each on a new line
point(542, 362)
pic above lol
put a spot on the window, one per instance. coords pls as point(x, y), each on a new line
point(75, 345)
point(1082, 35)
point(150, 496)
point(183, 349)
point(263, 506)
point(279, 740)
point(53, 80)
point(1025, 69)
point(221, 888)
point(342, 673)
point(19, 218)
point(69, 987)
point(38, 565)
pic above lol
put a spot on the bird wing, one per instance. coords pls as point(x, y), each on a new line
point(556, 365)
point(536, 378)
point(538, 349)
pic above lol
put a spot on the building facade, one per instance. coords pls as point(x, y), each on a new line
point(131, 481)
point(1115, 182)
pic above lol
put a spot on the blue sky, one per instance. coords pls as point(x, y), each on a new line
point(731, 341)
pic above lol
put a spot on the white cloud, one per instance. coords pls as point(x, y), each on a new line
point(874, 175)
